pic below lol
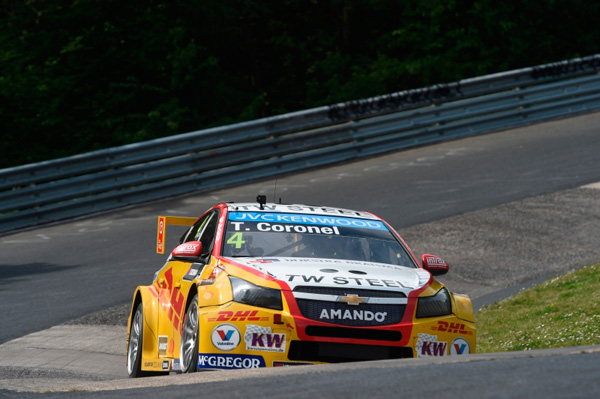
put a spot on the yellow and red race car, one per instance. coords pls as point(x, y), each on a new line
point(265, 285)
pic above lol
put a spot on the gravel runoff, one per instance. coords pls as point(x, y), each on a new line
point(493, 252)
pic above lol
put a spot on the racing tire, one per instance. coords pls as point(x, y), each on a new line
point(134, 348)
point(188, 354)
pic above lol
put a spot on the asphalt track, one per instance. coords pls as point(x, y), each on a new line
point(523, 185)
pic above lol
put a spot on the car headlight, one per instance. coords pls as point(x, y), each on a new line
point(251, 294)
point(436, 305)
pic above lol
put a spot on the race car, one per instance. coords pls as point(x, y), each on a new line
point(266, 285)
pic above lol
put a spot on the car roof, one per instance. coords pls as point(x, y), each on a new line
point(300, 209)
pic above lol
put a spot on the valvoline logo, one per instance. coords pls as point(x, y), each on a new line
point(226, 337)
point(460, 346)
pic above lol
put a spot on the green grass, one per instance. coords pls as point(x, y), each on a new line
point(561, 312)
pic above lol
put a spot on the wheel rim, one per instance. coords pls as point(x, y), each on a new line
point(134, 341)
point(189, 336)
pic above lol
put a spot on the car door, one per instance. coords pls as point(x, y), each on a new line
point(175, 282)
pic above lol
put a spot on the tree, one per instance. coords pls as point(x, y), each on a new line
point(88, 74)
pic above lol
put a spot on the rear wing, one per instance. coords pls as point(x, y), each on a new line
point(163, 221)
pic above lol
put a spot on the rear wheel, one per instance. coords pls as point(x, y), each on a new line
point(189, 338)
point(134, 350)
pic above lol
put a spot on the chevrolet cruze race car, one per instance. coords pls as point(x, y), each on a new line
point(266, 285)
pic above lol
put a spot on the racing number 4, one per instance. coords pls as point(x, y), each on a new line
point(236, 240)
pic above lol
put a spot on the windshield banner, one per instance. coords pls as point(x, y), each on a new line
point(306, 219)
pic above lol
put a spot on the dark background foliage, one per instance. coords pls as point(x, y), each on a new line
point(81, 75)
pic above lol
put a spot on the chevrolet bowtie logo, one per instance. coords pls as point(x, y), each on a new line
point(352, 299)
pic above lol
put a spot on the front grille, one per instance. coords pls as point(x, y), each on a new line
point(353, 333)
point(336, 353)
point(348, 291)
point(351, 315)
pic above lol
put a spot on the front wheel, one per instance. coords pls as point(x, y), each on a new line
point(188, 357)
point(134, 349)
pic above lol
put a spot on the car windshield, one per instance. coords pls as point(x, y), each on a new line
point(263, 234)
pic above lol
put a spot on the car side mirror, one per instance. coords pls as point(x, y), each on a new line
point(188, 251)
point(435, 265)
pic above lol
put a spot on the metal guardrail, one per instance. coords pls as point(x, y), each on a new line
point(106, 179)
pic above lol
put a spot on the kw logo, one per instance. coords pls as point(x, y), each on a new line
point(428, 345)
point(260, 338)
point(434, 348)
point(268, 340)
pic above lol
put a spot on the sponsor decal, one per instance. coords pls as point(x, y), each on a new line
point(303, 209)
point(460, 346)
point(187, 249)
point(193, 271)
point(264, 219)
point(367, 282)
point(264, 260)
point(339, 314)
point(260, 338)
point(240, 315)
point(212, 361)
point(237, 239)
point(452, 328)
point(429, 346)
point(160, 242)
point(277, 363)
point(225, 337)
point(176, 365)
point(435, 261)
point(163, 345)
point(161, 364)
point(290, 228)
point(307, 279)
point(340, 262)
point(153, 290)
point(170, 299)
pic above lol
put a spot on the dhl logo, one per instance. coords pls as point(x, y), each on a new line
point(452, 328)
point(169, 296)
point(249, 315)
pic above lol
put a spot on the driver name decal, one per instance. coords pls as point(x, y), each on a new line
point(284, 228)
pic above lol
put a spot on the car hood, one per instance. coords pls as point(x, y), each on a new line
point(339, 273)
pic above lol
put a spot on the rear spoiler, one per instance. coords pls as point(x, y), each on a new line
point(163, 221)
